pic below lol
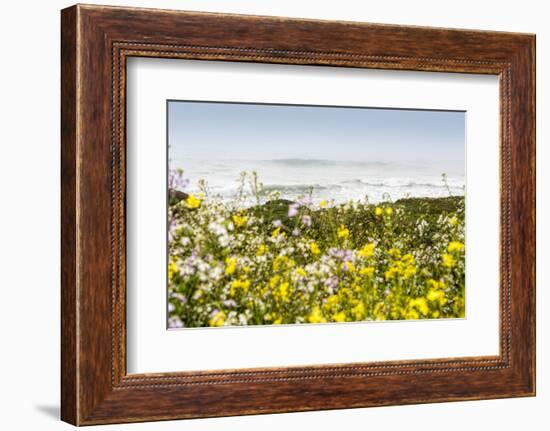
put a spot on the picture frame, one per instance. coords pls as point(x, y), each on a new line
point(96, 42)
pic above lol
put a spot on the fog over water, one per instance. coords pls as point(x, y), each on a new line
point(338, 153)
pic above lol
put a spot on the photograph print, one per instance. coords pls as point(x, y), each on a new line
point(300, 214)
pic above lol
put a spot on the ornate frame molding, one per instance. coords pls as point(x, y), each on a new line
point(96, 41)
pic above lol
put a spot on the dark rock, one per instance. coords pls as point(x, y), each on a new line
point(175, 196)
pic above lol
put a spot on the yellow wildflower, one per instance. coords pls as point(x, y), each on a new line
point(407, 259)
point(436, 295)
point(261, 250)
point(301, 272)
point(273, 281)
point(389, 211)
point(412, 315)
point(455, 246)
point(359, 311)
point(458, 306)
point(172, 270)
point(192, 201)
point(350, 267)
point(378, 211)
point(420, 305)
point(239, 220)
point(339, 317)
point(357, 288)
point(332, 300)
point(276, 232)
point(453, 221)
point(323, 203)
point(367, 271)
point(217, 319)
point(230, 265)
point(242, 283)
point(448, 260)
point(423, 306)
point(409, 271)
point(278, 321)
point(314, 248)
point(283, 292)
point(378, 311)
point(316, 316)
point(393, 271)
point(404, 266)
point(343, 232)
point(394, 252)
point(434, 284)
point(367, 250)
point(277, 262)
point(283, 261)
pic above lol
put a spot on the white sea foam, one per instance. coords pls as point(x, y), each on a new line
point(329, 179)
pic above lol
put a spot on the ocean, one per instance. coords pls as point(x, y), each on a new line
point(329, 180)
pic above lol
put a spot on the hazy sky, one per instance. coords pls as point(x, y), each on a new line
point(206, 130)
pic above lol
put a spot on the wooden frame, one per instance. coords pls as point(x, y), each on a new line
point(96, 41)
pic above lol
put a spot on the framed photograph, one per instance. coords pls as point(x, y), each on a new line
point(264, 215)
point(336, 218)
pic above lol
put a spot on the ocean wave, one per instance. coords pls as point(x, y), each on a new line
point(342, 192)
point(323, 162)
point(361, 184)
point(391, 183)
point(298, 188)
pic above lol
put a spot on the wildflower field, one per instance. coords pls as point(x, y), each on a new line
point(258, 259)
